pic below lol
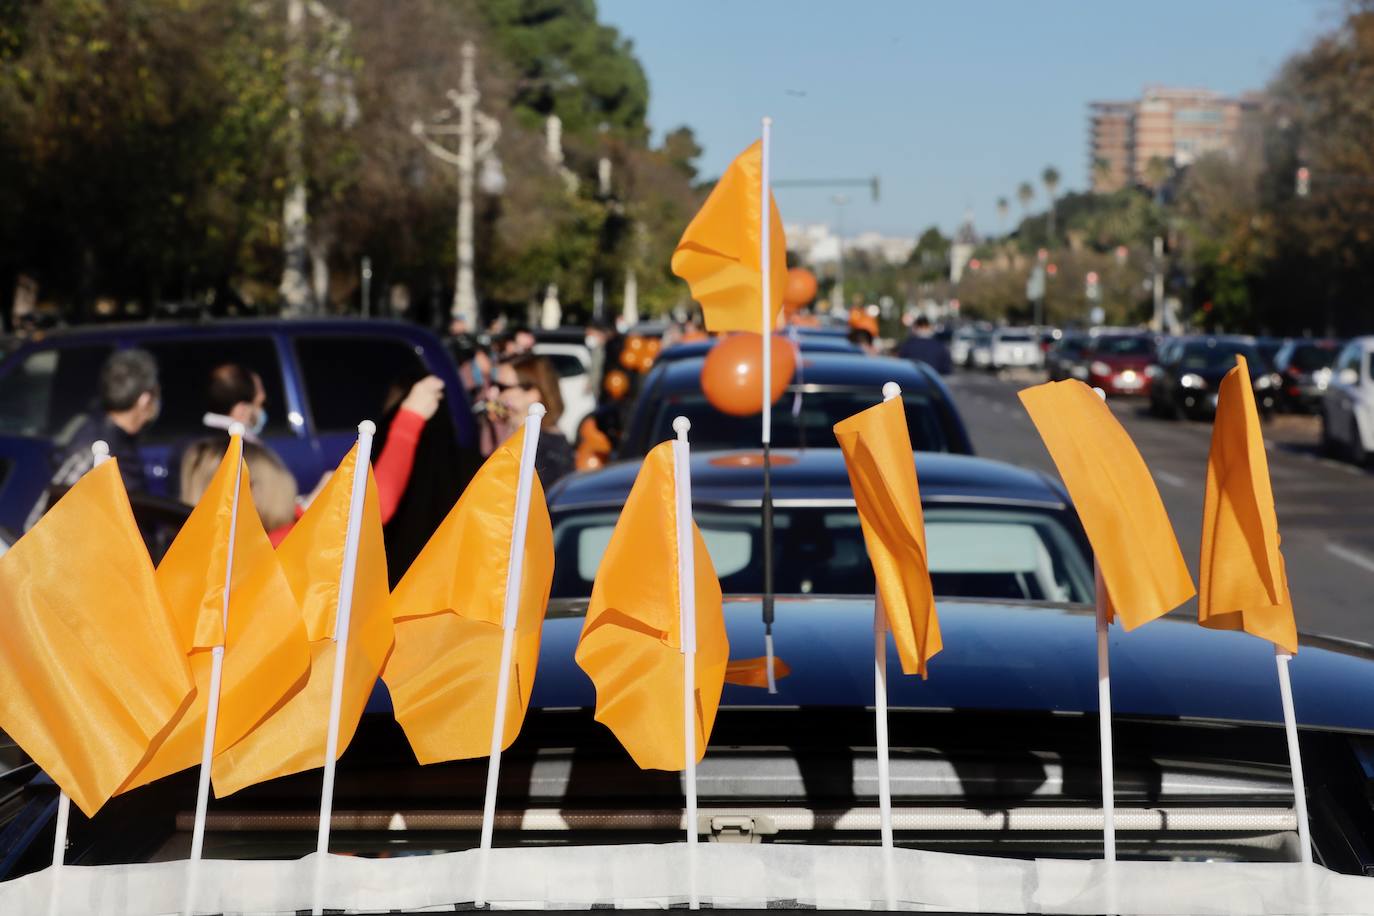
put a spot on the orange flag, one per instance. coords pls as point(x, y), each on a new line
point(92, 670)
point(266, 656)
point(719, 255)
point(292, 738)
point(448, 611)
point(882, 473)
point(1116, 500)
point(631, 641)
point(1244, 583)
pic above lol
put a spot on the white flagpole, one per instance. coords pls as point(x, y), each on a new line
point(890, 390)
point(687, 617)
point(1104, 727)
point(509, 618)
point(1290, 724)
point(100, 453)
point(766, 335)
point(207, 749)
point(343, 615)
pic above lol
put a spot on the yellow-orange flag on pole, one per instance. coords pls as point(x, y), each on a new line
point(1244, 585)
point(1244, 582)
point(1139, 570)
point(631, 644)
point(222, 567)
point(1132, 538)
point(315, 558)
point(449, 611)
point(877, 454)
point(882, 473)
point(92, 668)
point(720, 254)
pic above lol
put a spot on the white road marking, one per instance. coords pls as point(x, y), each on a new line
point(1172, 480)
point(1350, 556)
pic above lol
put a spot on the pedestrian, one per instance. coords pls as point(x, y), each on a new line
point(236, 395)
point(517, 384)
point(130, 398)
point(922, 346)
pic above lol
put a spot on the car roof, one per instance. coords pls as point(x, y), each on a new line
point(808, 344)
point(817, 475)
point(848, 370)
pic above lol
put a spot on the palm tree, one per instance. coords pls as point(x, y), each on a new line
point(1102, 173)
point(1050, 178)
point(1003, 208)
point(1025, 193)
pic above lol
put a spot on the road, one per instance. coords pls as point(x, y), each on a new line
point(1325, 507)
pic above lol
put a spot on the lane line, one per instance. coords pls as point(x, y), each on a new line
point(1172, 480)
point(1350, 556)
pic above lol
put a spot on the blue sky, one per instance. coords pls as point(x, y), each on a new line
point(952, 103)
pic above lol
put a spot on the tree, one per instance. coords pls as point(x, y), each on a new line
point(1025, 193)
point(1003, 208)
point(1050, 178)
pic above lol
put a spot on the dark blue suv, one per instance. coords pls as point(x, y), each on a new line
point(321, 377)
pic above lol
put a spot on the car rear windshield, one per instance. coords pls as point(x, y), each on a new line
point(1013, 337)
point(1311, 357)
point(799, 420)
point(1125, 346)
point(974, 552)
point(1217, 355)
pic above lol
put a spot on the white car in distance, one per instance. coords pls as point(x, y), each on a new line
point(1348, 405)
point(1015, 348)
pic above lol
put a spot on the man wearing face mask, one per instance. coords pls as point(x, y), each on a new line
point(236, 395)
point(130, 398)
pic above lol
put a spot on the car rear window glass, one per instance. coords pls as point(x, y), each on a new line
point(184, 367)
point(975, 552)
point(350, 379)
point(1125, 346)
point(1013, 337)
point(565, 364)
point(799, 420)
point(1214, 356)
point(46, 391)
point(1311, 357)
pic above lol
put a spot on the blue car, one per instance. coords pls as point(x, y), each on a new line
point(321, 378)
point(825, 388)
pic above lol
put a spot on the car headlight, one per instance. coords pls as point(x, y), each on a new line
point(1192, 380)
point(1263, 382)
point(1100, 368)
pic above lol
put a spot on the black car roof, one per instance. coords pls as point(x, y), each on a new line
point(818, 474)
point(847, 370)
point(808, 344)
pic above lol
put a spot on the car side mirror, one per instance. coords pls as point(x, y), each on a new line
point(1348, 377)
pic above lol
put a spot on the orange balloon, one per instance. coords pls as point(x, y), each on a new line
point(732, 373)
point(652, 346)
point(593, 446)
point(800, 289)
point(632, 357)
point(634, 342)
point(616, 384)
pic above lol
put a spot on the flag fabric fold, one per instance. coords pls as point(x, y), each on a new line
point(266, 655)
point(93, 670)
point(448, 610)
point(720, 253)
point(1116, 499)
point(1244, 585)
point(292, 739)
point(882, 472)
point(631, 643)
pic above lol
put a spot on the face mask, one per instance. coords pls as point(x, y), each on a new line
point(260, 423)
point(591, 342)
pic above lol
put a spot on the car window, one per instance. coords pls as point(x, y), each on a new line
point(992, 553)
point(1125, 346)
point(1211, 356)
point(799, 421)
point(1369, 373)
point(351, 379)
point(1013, 337)
point(49, 389)
point(184, 368)
point(567, 365)
point(1349, 358)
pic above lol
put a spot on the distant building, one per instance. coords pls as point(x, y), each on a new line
point(1172, 126)
point(817, 245)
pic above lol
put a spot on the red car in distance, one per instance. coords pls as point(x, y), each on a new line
point(1117, 362)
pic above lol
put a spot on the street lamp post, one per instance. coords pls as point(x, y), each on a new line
point(477, 134)
point(837, 295)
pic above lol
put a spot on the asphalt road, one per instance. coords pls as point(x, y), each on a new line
point(1325, 507)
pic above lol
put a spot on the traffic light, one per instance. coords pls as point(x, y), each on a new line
point(1303, 181)
point(1092, 288)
